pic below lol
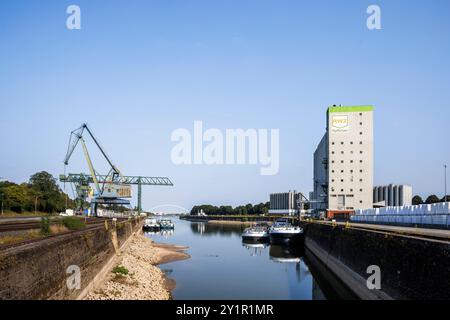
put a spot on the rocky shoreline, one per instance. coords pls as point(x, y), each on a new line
point(137, 276)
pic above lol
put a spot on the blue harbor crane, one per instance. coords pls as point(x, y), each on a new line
point(111, 189)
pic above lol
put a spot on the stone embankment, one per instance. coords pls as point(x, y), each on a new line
point(136, 275)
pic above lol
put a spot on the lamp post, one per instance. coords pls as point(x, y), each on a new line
point(445, 183)
point(35, 204)
point(2, 195)
point(1, 178)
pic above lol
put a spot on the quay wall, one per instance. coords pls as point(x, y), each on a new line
point(39, 270)
point(411, 267)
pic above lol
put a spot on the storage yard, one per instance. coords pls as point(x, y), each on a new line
point(426, 215)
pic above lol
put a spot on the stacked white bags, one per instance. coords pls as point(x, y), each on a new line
point(424, 214)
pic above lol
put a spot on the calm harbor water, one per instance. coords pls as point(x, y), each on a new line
point(223, 267)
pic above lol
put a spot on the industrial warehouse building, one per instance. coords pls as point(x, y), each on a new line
point(284, 203)
point(392, 195)
point(343, 161)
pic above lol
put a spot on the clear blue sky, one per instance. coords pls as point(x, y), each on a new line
point(137, 70)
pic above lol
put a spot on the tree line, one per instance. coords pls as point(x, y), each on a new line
point(416, 200)
point(263, 208)
point(249, 209)
point(40, 193)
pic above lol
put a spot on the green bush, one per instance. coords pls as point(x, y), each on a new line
point(73, 223)
point(120, 270)
point(45, 226)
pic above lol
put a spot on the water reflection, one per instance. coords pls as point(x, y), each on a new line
point(165, 233)
point(210, 229)
point(285, 253)
point(255, 249)
point(290, 256)
point(200, 227)
point(224, 267)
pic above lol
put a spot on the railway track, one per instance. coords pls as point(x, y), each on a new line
point(92, 223)
point(6, 246)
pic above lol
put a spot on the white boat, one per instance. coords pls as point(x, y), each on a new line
point(256, 233)
point(282, 231)
point(151, 224)
point(166, 224)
